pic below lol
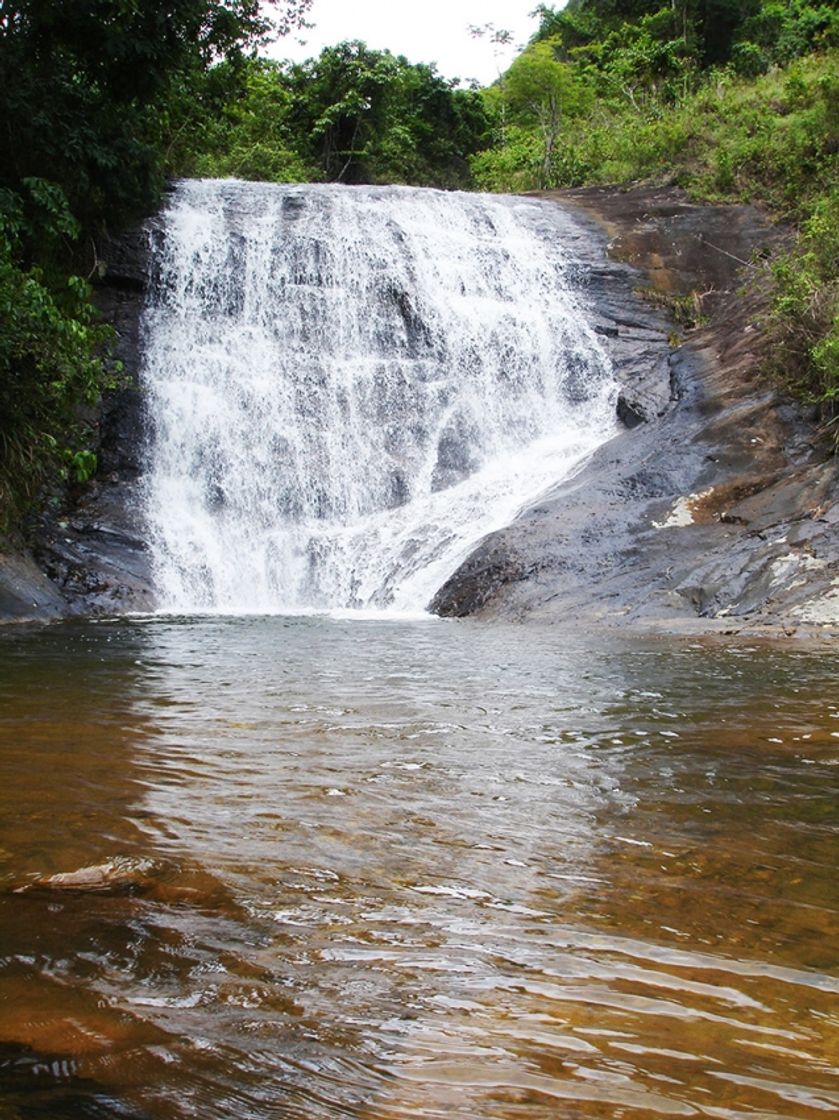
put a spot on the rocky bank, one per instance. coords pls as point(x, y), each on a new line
point(720, 511)
point(88, 555)
point(715, 508)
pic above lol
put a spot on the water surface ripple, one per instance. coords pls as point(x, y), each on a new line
point(389, 870)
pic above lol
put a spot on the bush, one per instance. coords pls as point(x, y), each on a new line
point(513, 165)
point(50, 363)
point(804, 322)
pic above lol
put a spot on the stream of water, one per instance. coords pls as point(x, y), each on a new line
point(392, 870)
point(348, 387)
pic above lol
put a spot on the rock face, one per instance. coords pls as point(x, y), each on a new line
point(716, 511)
point(26, 593)
point(89, 556)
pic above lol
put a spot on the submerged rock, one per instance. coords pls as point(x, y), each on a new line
point(162, 880)
point(116, 876)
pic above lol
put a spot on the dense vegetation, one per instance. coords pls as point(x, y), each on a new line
point(352, 115)
point(86, 92)
point(102, 99)
point(733, 101)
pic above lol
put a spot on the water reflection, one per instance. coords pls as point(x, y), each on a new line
point(417, 870)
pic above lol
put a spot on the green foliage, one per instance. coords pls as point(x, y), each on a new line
point(49, 366)
point(775, 136)
point(542, 88)
point(48, 340)
point(236, 123)
point(514, 165)
point(781, 30)
point(711, 32)
point(804, 322)
point(81, 465)
point(737, 102)
point(351, 115)
point(89, 91)
point(726, 138)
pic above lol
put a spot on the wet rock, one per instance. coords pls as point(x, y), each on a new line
point(26, 592)
point(161, 880)
point(95, 556)
point(194, 887)
point(116, 876)
point(712, 513)
point(630, 413)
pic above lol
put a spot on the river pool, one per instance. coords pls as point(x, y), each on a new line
point(323, 868)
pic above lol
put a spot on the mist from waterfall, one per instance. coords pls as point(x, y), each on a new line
point(348, 387)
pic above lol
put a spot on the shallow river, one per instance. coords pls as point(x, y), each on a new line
point(415, 869)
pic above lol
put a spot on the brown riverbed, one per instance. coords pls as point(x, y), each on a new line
point(311, 868)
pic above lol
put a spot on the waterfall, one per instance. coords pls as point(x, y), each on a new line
point(349, 386)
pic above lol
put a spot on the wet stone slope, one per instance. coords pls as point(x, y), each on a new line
point(720, 511)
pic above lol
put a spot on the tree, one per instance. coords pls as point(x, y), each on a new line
point(84, 87)
point(539, 88)
point(234, 120)
point(707, 28)
point(367, 116)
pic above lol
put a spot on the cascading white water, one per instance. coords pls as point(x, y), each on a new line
point(349, 387)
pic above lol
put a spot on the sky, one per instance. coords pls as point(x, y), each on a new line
point(428, 31)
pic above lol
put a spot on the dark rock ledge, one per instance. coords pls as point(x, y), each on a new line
point(719, 513)
point(89, 556)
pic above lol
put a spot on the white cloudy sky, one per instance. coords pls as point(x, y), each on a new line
point(428, 31)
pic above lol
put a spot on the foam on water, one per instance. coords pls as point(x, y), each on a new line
point(349, 387)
